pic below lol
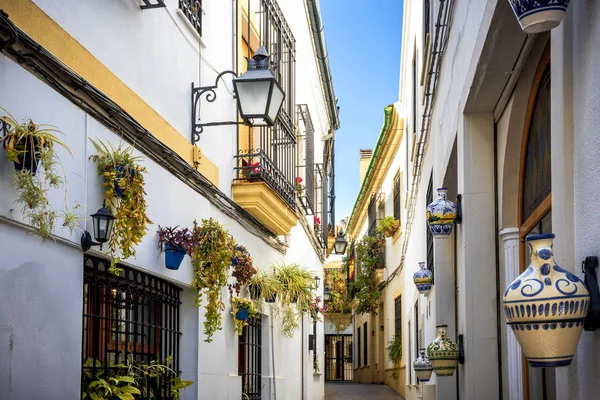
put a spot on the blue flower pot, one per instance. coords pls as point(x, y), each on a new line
point(174, 257)
point(241, 314)
point(122, 171)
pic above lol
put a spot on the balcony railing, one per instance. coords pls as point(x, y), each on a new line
point(192, 9)
point(306, 169)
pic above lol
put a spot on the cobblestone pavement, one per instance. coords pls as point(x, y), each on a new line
point(359, 391)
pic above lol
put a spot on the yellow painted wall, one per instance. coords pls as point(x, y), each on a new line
point(43, 29)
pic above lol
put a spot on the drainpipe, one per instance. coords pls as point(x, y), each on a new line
point(273, 354)
point(498, 291)
point(318, 39)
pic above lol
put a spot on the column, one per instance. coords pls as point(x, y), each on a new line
point(510, 244)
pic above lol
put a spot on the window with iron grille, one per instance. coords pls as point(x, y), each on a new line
point(365, 335)
point(192, 9)
point(426, 18)
point(429, 246)
point(358, 348)
point(134, 316)
point(397, 200)
point(372, 215)
point(249, 359)
point(271, 156)
point(306, 158)
point(398, 316)
point(321, 205)
point(329, 157)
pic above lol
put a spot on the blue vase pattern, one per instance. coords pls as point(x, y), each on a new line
point(423, 279)
point(423, 367)
point(441, 215)
point(539, 15)
point(546, 307)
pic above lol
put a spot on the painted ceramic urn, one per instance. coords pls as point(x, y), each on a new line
point(443, 353)
point(423, 367)
point(441, 215)
point(546, 307)
point(539, 15)
point(423, 279)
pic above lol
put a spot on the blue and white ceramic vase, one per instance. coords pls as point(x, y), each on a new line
point(443, 353)
point(423, 367)
point(423, 279)
point(546, 307)
point(441, 215)
point(537, 16)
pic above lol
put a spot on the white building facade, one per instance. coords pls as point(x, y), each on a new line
point(488, 110)
point(124, 72)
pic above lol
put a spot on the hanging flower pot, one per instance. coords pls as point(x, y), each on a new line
point(537, 16)
point(174, 257)
point(423, 367)
point(255, 292)
point(271, 299)
point(29, 157)
point(441, 215)
point(124, 174)
point(242, 314)
point(443, 353)
point(423, 279)
point(546, 307)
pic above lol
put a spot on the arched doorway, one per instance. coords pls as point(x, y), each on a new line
point(535, 199)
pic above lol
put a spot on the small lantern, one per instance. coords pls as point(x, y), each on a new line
point(259, 95)
point(317, 281)
point(340, 244)
point(326, 294)
point(103, 221)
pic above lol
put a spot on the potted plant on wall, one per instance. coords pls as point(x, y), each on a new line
point(243, 270)
point(297, 285)
point(176, 243)
point(299, 186)
point(124, 195)
point(211, 258)
point(264, 285)
point(242, 310)
point(388, 226)
point(28, 145)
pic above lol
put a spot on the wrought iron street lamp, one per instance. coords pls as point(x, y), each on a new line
point(259, 96)
point(102, 221)
point(340, 244)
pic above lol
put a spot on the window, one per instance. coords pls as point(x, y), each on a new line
point(306, 160)
point(192, 9)
point(372, 215)
point(397, 200)
point(365, 335)
point(414, 92)
point(398, 316)
point(429, 246)
point(271, 158)
point(358, 347)
point(426, 20)
point(249, 359)
point(132, 315)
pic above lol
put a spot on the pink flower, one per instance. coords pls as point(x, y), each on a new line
point(256, 169)
point(317, 220)
point(298, 179)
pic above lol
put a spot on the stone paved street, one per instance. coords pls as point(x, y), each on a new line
point(359, 391)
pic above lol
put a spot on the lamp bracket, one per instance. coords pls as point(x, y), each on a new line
point(210, 95)
point(458, 218)
point(87, 242)
point(148, 4)
point(461, 349)
point(592, 320)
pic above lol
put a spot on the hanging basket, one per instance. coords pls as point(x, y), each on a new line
point(27, 159)
point(539, 16)
point(174, 257)
point(122, 172)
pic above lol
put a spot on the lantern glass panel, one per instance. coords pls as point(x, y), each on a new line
point(253, 97)
point(276, 101)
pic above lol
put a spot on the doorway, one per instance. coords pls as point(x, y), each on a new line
point(338, 358)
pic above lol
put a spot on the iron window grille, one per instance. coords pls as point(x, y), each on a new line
point(398, 316)
point(338, 358)
point(429, 245)
point(358, 348)
point(306, 167)
point(193, 11)
point(321, 206)
point(397, 201)
point(249, 359)
point(365, 347)
point(271, 153)
point(131, 316)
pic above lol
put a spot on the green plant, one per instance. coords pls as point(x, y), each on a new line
point(365, 286)
point(211, 258)
point(336, 281)
point(243, 270)
point(149, 376)
point(263, 285)
point(387, 226)
point(394, 352)
point(39, 141)
point(238, 303)
point(97, 384)
point(296, 294)
point(175, 237)
point(124, 195)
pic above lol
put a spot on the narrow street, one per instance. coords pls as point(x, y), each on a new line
point(359, 391)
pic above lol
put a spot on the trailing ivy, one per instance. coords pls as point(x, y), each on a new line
point(365, 286)
point(211, 258)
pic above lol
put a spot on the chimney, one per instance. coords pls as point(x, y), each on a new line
point(365, 160)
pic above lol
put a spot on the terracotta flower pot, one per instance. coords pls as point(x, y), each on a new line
point(546, 307)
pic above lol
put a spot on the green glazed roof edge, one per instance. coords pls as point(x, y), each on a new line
point(387, 112)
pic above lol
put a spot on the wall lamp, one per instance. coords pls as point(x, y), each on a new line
point(259, 96)
point(103, 222)
point(317, 281)
point(592, 320)
point(340, 244)
point(326, 293)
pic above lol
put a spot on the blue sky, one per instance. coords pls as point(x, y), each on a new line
point(363, 40)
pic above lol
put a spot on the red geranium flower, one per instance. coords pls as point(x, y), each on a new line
point(298, 179)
